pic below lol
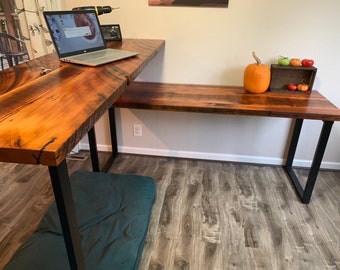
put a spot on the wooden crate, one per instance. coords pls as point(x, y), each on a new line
point(281, 76)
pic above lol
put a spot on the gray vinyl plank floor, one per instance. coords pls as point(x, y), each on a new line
point(208, 215)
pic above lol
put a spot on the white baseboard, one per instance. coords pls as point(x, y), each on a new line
point(201, 155)
point(211, 156)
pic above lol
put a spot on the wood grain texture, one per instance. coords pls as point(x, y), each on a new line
point(43, 117)
point(207, 215)
point(41, 123)
point(226, 100)
point(26, 72)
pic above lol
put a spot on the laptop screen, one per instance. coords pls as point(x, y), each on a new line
point(74, 32)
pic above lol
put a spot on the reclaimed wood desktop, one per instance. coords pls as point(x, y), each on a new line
point(45, 112)
point(236, 101)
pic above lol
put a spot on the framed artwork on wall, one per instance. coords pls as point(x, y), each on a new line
point(190, 3)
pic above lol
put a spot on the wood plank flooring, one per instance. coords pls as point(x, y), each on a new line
point(207, 215)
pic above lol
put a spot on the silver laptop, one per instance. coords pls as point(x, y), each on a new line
point(78, 39)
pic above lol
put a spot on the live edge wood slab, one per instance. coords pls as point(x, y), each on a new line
point(43, 116)
point(226, 100)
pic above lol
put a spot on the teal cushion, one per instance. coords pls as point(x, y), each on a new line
point(113, 212)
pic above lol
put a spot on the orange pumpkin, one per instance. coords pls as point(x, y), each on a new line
point(256, 77)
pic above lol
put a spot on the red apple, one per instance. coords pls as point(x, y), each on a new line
point(292, 87)
point(307, 62)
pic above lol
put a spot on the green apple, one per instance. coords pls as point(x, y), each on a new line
point(283, 61)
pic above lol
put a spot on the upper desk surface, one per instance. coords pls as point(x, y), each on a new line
point(42, 117)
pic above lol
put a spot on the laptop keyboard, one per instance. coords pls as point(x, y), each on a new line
point(90, 56)
point(100, 57)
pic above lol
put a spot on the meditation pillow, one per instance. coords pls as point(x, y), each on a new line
point(113, 213)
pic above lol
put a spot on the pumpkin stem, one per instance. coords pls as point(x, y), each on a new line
point(258, 61)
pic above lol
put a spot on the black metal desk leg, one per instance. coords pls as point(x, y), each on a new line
point(64, 200)
point(294, 142)
point(93, 145)
point(306, 192)
point(319, 152)
point(291, 153)
point(113, 131)
point(114, 152)
point(93, 149)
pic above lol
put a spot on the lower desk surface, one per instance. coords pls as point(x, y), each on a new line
point(227, 100)
point(235, 100)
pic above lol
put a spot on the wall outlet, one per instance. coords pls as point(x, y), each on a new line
point(137, 130)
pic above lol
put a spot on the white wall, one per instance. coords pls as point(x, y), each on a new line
point(213, 46)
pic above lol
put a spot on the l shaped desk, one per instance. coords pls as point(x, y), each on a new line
point(44, 115)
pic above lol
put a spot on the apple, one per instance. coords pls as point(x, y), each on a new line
point(295, 62)
point(283, 61)
point(307, 62)
point(292, 87)
point(303, 87)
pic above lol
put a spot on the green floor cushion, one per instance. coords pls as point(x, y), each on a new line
point(113, 213)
